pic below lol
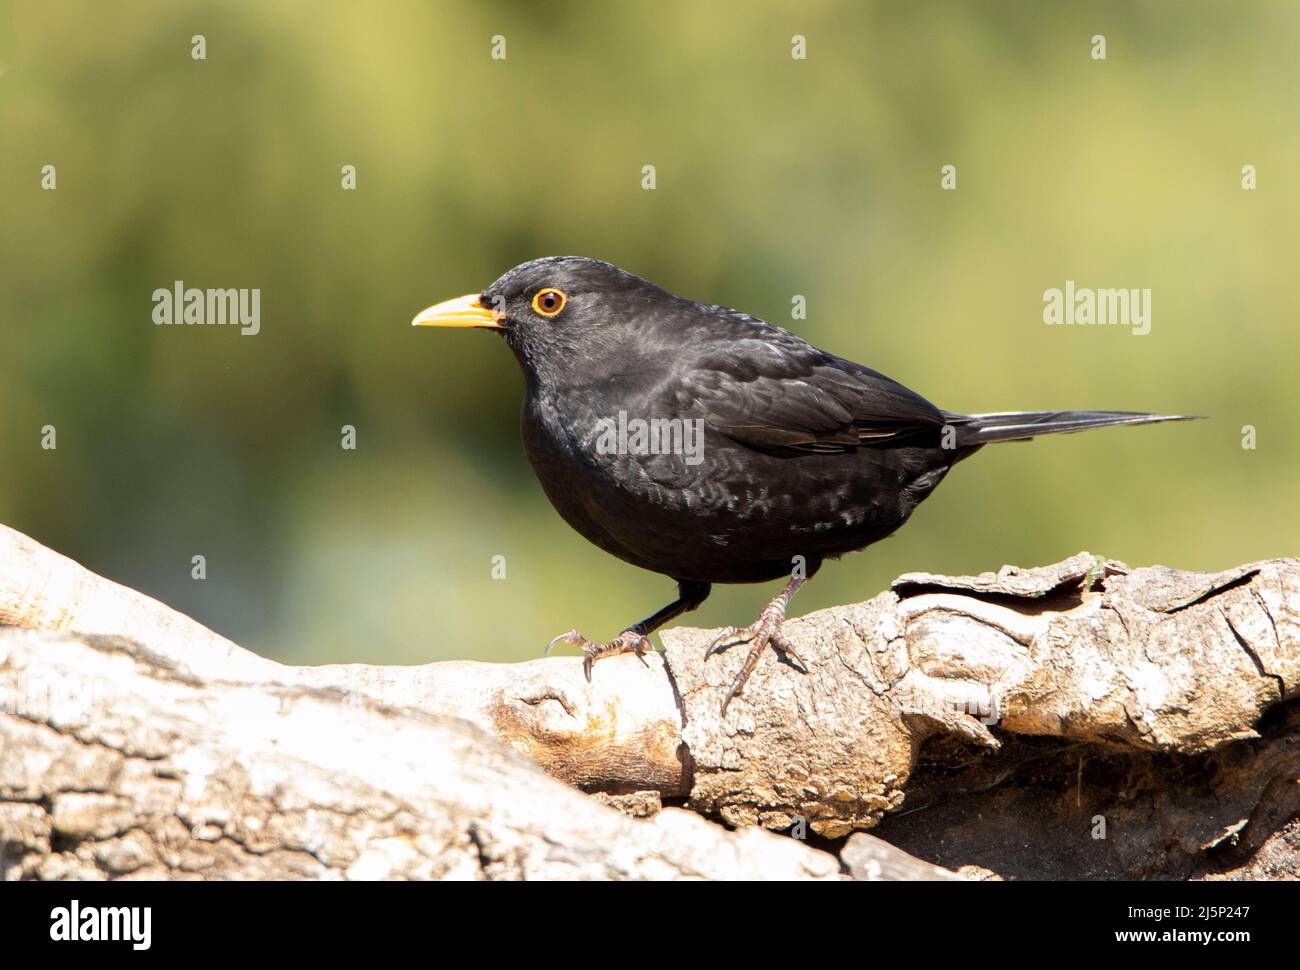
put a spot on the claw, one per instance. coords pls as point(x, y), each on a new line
point(573, 636)
point(731, 635)
point(732, 691)
point(784, 645)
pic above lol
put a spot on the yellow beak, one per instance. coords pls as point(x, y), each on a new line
point(464, 311)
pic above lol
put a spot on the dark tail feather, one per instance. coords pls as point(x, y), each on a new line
point(981, 429)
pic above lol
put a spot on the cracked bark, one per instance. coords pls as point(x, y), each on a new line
point(113, 764)
point(940, 693)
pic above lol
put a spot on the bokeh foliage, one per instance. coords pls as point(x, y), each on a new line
point(775, 177)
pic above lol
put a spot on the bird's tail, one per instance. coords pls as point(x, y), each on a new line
point(981, 429)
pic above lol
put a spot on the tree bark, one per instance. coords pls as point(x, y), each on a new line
point(134, 740)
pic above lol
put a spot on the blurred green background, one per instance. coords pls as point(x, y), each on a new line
point(775, 177)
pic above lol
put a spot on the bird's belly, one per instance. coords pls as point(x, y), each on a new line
point(737, 515)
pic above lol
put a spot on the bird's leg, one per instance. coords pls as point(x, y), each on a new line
point(636, 639)
point(762, 632)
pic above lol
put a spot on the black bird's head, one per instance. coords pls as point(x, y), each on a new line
point(561, 313)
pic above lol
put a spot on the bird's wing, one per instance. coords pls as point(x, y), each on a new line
point(773, 391)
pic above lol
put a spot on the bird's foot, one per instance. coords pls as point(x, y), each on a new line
point(763, 632)
point(629, 641)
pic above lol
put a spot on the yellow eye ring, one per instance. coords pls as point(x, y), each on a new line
point(548, 302)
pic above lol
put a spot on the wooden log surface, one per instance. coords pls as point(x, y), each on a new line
point(1151, 660)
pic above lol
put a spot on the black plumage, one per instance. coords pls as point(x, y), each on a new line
point(805, 455)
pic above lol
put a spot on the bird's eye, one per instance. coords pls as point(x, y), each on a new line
point(548, 302)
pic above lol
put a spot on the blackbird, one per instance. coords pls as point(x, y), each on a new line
point(705, 444)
